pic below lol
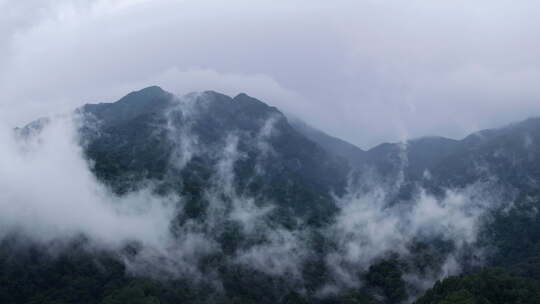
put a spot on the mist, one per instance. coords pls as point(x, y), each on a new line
point(385, 72)
point(366, 72)
point(50, 194)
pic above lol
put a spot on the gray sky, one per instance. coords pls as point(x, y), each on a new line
point(366, 71)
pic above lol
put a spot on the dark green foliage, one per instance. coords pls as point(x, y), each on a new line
point(28, 275)
point(142, 143)
point(386, 277)
point(490, 286)
point(515, 233)
point(135, 142)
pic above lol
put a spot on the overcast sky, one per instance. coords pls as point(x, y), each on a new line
point(366, 71)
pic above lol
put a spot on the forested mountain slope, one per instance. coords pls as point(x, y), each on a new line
point(251, 207)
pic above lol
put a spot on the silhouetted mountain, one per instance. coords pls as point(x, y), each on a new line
point(354, 155)
point(142, 135)
point(145, 102)
point(208, 148)
point(510, 155)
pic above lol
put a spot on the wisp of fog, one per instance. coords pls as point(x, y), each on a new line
point(48, 192)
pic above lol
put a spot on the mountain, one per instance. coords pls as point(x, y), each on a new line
point(286, 213)
point(147, 133)
point(509, 155)
point(331, 144)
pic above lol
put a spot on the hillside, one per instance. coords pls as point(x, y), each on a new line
point(264, 209)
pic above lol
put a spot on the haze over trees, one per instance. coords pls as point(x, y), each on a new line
point(210, 198)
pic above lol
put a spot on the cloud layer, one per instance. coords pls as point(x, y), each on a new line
point(366, 71)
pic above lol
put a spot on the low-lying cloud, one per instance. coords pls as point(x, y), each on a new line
point(49, 193)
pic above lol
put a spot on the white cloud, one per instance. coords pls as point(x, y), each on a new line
point(366, 71)
point(49, 193)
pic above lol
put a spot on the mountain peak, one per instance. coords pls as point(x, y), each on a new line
point(242, 95)
point(145, 101)
point(152, 88)
point(146, 94)
point(246, 97)
point(248, 101)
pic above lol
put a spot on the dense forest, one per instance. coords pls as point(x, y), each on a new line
point(276, 211)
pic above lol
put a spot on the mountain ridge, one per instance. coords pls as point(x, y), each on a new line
point(297, 184)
